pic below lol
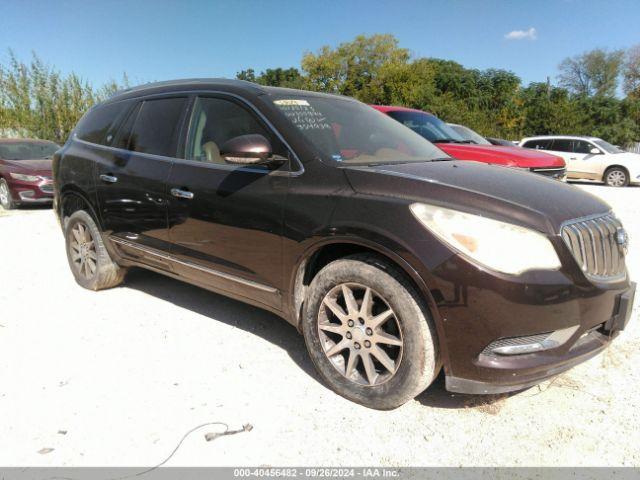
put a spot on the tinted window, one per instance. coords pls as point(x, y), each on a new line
point(215, 121)
point(580, 146)
point(540, 144)
point(562, 145)
point(95, 125)
point(157, 127)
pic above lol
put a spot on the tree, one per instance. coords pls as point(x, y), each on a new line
point(592, 73)
point(248, 75)
point(353, 67)
point(274, 77)
point(631, 72)
point(36, 100)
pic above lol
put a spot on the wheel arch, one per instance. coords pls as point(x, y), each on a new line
point(616, 165)
point(72, 199)
point(326, 251)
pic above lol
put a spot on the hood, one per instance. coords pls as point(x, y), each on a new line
point(39, 165)
point(510, 156)
point(504, 193)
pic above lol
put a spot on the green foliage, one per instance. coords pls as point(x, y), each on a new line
point(494, 102)
point(353, 67)
point(37, 101)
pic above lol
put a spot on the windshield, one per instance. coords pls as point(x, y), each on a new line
point(351, 132)
point(427, 125)
point(607, 147)
point(470, 135)
point(27, 150)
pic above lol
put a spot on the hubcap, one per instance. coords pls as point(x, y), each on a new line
point(360, 334)
point(616, 178)
point(83, 251)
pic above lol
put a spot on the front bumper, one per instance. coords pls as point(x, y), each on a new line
point(32, 193)
point(478, 307)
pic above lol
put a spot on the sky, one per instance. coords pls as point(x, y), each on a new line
point(159, 39)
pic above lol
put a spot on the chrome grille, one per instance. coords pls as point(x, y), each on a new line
point(594, 245)
point(557, 173)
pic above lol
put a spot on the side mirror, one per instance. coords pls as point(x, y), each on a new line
point(251, 149)
point(595, 151)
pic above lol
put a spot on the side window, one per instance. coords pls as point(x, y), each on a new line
point(562, 145)
point(580, 146)
point(157, 126)
point(214, 121)
point(541, 144)
point(104, 118)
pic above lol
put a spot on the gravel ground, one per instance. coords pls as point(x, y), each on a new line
point(118, 377)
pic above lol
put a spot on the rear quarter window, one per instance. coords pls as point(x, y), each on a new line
point(100, 121)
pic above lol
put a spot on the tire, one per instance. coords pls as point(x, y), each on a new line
point(416, 360)
point(616, 177)
point(88, 258)
point(6, 200)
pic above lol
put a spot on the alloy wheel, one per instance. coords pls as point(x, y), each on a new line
point(616, 178)
point(83, 251)
point(4, 194)
point(360, 334)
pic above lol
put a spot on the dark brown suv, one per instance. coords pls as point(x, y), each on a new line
point(392, 259)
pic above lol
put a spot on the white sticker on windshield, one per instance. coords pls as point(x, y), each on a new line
point(302, 103)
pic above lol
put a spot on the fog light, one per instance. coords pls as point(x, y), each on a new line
point(27, 194)
point(530, 343)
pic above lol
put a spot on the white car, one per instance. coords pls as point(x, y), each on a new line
point(590, 158)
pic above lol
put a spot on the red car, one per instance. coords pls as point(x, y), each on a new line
point(436, 131)
point(25, 172)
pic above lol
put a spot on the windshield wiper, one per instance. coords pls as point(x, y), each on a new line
point(450, 140)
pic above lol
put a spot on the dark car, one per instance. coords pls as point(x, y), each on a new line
point(25, 172)
point(391, 258)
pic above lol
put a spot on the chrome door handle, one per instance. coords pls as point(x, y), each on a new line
point(176, 192)
point(572, 158)
point(108, 178)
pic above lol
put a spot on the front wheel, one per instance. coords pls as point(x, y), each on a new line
point(616, 177)
point(368, 334)
point(88, 258)
point(6, 200)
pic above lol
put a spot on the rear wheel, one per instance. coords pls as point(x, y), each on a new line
point(368, 334)
point(616, 177)
point(6, 200)
point(88, 258)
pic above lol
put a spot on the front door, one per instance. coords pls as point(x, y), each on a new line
point(226, 221)
point(131, 179)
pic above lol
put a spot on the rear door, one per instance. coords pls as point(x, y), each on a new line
point(587, 165)
point(563, 147)
point(226, 221)
point(131, 182)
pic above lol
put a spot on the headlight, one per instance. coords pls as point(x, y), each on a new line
point(24, 178)
point(500, 246)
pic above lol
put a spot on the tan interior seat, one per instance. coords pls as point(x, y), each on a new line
point(212, 153)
